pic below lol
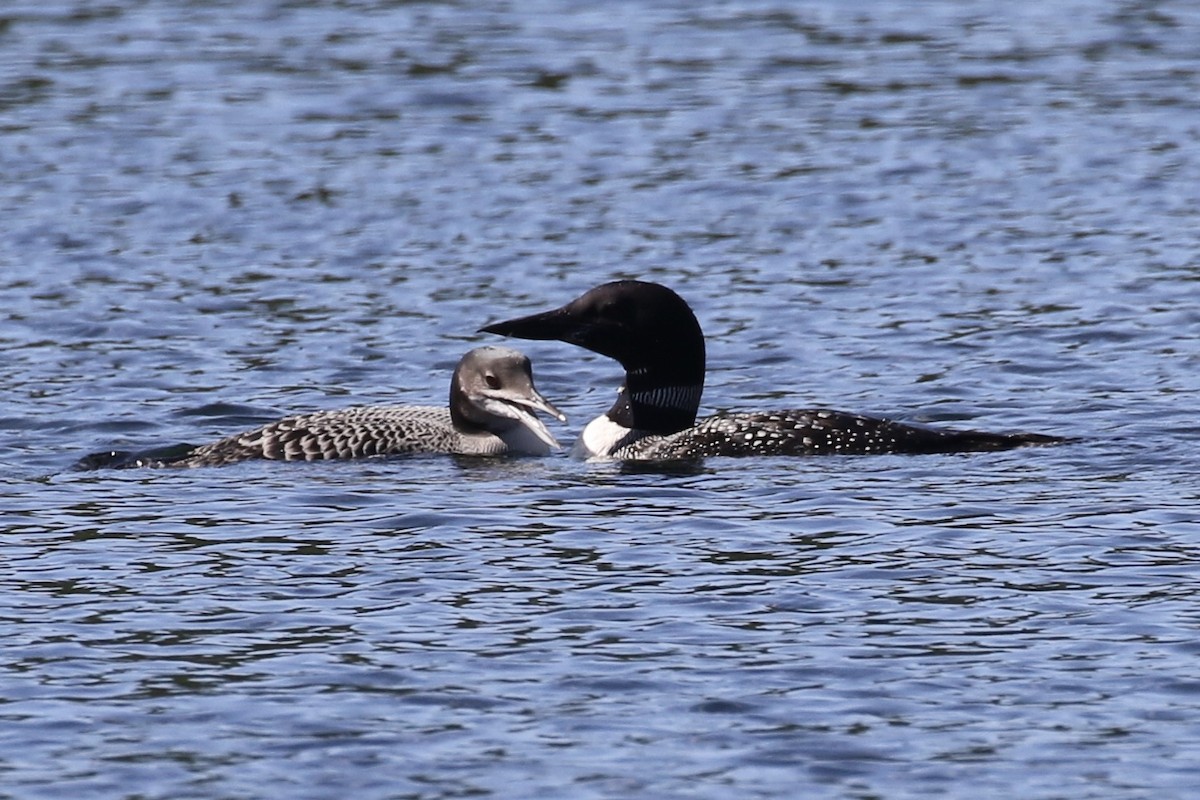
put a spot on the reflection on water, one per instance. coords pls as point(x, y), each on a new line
point(218, 214)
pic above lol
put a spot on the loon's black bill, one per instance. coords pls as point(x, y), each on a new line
point(556, 324)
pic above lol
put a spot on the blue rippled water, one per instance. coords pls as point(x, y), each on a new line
point(963, 213)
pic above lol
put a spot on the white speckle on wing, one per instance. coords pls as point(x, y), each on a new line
point(799, 432)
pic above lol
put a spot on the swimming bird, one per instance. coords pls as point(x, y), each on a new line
point(491, 413)
point(655, 336)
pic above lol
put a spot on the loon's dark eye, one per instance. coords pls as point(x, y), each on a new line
point(492, 381)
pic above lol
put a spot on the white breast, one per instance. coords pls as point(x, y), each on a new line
point(599, 439)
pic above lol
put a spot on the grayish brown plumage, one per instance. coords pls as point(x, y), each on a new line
point(491, 412)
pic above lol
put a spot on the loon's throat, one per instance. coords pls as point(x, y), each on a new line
point(656, 409)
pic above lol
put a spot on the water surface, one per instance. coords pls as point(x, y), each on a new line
point(950, 212)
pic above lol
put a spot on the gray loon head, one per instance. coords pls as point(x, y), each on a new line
point(650, 330)
point(492, 390)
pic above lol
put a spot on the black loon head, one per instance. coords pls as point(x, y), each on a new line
point(650, 330)
point(492, 390)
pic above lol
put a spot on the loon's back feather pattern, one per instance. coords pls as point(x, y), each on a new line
point(797, 432)
point(346, 433)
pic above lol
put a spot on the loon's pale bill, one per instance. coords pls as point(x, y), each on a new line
point(520, 407)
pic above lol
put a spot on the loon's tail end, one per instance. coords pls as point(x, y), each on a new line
point(981, 440)
point(1034, 439)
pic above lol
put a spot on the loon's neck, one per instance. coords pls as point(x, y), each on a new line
point(659, 410)
point(654, 403)
point(464, 416)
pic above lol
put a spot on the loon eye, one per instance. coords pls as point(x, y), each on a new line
point(492, 381)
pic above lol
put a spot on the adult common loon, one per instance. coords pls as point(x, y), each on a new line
point(653, 333)
point(491, 412)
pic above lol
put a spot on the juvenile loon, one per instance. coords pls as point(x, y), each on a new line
point(653, 333)
point(492, 400)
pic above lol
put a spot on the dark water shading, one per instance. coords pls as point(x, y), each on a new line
point(957, 213)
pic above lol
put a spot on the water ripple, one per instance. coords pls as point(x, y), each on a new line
point(217, 214)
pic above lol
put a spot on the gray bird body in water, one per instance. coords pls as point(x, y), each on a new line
point(655, 336)
point(492, 408)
